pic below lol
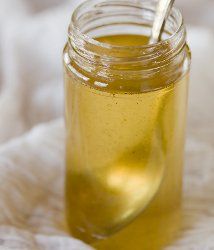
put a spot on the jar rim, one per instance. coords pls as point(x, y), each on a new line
point(87, 38)
point(168, 58)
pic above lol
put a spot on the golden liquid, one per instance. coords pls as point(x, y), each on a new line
point(124, 159)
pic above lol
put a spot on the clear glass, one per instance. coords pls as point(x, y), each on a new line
point(125, 109)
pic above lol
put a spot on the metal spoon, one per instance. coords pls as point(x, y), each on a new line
point(162, 12)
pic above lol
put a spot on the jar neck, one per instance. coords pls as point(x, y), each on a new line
point(96, 18)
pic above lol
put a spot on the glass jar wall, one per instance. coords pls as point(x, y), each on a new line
point(125, 108)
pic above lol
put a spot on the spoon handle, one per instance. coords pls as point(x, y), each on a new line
point(162, 13)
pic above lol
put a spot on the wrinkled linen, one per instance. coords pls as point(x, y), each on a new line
point(32, 36)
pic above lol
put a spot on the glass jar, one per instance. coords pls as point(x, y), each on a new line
point(125, 109)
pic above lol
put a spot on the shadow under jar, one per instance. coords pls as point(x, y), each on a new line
point(125, 109)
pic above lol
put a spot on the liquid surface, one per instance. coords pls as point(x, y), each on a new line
point(124, 40)
point(124, 160)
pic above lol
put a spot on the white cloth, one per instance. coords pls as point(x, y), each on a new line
point(32, 36)
point(31, 194)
